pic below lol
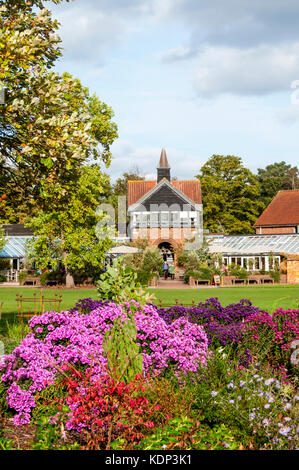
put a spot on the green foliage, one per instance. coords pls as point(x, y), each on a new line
point(152, 260)
point(183, 433)
point(119, 283)
point(275, 276)
point(192, 261)
point(203, 272)
point(22, 276)
point(67, 234)
point(16, 332)
point(276, 177)
point(238, 271)
point(2, 278)
point(143, 277)
point(49, 437)
point(50, 124)
point(231, 195)
point(120, 348)
point(5, 444)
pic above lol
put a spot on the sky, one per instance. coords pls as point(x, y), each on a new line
point(195, 77)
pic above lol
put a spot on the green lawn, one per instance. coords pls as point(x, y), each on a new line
point(265, 297)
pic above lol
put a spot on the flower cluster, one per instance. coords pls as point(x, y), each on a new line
point(274, 333)
point(63, 338)
point(263, 406)
point(283, 323)
point(223, 325)
point(108, 409)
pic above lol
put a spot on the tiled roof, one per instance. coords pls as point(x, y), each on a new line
point(16, 230)
point(138, 189)
point(282, 210)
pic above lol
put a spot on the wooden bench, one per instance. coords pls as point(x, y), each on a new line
point(202, 281)
point(267, 280)
point(51, 282)
point(31, 281)
point(238, 281)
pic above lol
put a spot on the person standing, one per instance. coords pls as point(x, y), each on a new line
point(165, 269)
point(172, 271)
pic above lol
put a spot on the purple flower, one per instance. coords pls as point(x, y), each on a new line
point(72, 337)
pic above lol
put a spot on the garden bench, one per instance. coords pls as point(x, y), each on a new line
point(252, 280)
point(51, 282)
point(267, 280)
point(238, 281)
point(31, 281)
point(202, 281)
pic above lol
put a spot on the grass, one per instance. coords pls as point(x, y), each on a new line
point(8, 304)
point(266, 297)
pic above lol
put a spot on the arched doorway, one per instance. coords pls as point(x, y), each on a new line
point(167, 251)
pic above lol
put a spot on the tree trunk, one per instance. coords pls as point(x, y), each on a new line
point(69, 279)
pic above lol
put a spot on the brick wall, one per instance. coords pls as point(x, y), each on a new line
point(274, 230)
point(175, 236)
point(293, 271)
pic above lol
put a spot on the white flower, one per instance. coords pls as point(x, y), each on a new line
point(269, 381)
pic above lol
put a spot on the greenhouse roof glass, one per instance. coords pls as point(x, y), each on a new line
point(14, 247)
point(253, 244)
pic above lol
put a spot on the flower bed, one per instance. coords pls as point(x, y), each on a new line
point(223, 325)
point(58, 339)
point(238, 394)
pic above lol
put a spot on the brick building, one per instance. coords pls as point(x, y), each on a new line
point(166, 211)
point(281, 216)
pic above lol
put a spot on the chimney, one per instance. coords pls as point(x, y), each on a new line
point(163, 170)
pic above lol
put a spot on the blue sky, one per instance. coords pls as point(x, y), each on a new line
point(196, 77)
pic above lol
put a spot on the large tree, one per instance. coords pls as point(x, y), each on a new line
point(120, 187)
point(2, 240)
point(49, 123)
point(66, 235)
point(276, 177)
point(230, 195)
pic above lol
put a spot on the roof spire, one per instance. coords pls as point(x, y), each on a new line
point(163, 160)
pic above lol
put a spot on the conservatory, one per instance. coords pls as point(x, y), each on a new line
point(254, 252)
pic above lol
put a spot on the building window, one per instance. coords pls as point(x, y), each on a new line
point(15, 264)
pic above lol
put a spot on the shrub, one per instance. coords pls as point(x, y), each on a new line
point(271, 336)
point(107, 410)
point(143, 276)
point(185, 434)
point(119, 283)
point(4, 264)
point(251, 402)
point(275, 276)
point(152, 260)
point(22, 276)
point(240, 273)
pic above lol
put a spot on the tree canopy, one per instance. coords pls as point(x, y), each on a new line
point(49, 123)
point(276, 177)
point(66, 235)
point(230, 195)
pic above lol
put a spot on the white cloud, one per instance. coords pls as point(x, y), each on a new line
point(256, 71)
point(126, 157)
point(178, 53)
